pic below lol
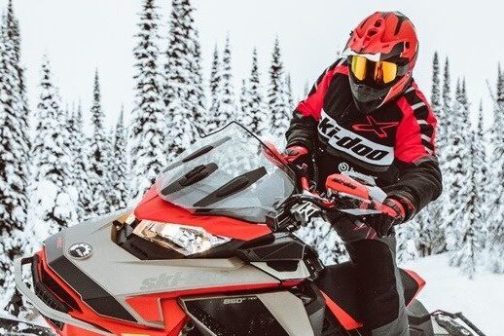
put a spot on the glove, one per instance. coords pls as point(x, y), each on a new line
point(298, 159)
point(296, 155)
point(383, 223)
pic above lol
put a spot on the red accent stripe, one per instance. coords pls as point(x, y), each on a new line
point(347, 321)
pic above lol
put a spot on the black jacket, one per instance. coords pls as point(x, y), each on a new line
point(394, 144)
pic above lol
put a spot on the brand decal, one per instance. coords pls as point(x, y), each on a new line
point(238, 300)
point(343, 167)
point(379, 128)
point(166, 281)
point(353, 144)
point(80, 251)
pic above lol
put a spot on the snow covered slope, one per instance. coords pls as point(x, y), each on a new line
point(481, 299)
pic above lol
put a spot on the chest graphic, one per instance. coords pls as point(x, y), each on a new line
point(373, 126)
point(353, 144)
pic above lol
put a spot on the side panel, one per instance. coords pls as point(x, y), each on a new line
point(266, 314)
point(112, 274)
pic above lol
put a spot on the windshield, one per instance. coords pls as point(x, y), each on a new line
point(228, 173)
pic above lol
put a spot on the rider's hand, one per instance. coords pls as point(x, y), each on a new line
point(296, 155)
point(382, 223)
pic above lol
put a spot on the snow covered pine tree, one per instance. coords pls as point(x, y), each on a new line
point(119, 171)
point(278, 101)
point(228, 107)
point(97, 171)
point(468, 219)
point(496, 206)
point(14, 153)
point(51, 196)
point(149, 128)
point(183, 91)
point(254, 112)
point(215, 84)
point(80, 180)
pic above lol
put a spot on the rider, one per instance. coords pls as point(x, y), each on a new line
point(366, 115)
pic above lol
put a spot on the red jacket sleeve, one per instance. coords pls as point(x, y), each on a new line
point(415, 136)
point(420, 179)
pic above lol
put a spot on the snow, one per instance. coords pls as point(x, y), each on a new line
point(481, 299)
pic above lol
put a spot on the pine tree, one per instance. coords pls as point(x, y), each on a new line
point(458, 165)
point(51, 200)
point(179, 101)
point(244, 117)
point(482, 177)
point(120, 171)
point(148, 131)
point(469, 217)
point(278, 104)
point(496, 197)
point(254, 114)
point(196, 93)
point(289, 94)
point(14, 155)
point(445, 106)
point(428, 224)
point(97, 171)
point(84, 197)
point(228, 109)
point(452, 123)
point(436, 85)
point(215, 92)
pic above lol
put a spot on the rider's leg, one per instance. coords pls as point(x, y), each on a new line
point(380, 290)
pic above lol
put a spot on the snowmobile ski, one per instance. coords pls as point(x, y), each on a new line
point(14, 327)
point(456, 324)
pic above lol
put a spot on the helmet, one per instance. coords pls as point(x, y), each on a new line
point(382, 52)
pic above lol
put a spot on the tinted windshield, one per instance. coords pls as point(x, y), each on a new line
point(228, 173)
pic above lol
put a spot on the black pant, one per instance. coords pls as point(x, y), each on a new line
point(380, 291)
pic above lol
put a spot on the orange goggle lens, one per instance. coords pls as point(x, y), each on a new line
point(382, 71)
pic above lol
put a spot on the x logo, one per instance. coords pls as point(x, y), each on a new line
point(379, 128)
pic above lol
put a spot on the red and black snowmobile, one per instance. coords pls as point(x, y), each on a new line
point(210, 250)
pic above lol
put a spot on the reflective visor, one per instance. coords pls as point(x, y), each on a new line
point(381, 72)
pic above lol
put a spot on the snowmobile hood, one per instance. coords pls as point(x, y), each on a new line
point(152, 207)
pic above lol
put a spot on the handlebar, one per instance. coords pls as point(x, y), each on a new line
point(349, 197)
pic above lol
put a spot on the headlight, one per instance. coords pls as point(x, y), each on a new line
point(184, 239)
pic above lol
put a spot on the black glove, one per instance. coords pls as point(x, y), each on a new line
point(299, 159)
point(296, 155)
point(382, 223)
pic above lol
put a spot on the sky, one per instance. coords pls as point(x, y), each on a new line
point(80, 36)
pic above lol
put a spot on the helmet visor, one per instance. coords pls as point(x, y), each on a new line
point(381, 72)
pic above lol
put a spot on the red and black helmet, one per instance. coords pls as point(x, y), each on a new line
point(382, 52)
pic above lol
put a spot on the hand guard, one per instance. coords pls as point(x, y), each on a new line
point(383, 223)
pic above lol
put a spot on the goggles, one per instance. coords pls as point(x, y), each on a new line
point(380, 72)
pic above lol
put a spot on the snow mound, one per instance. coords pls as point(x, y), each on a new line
point(481, 299)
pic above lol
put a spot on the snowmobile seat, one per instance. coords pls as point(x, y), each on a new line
point(337, 282)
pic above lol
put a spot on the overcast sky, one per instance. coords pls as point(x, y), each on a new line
point(81, 35)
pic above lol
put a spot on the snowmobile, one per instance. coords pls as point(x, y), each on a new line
point(211, 250)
